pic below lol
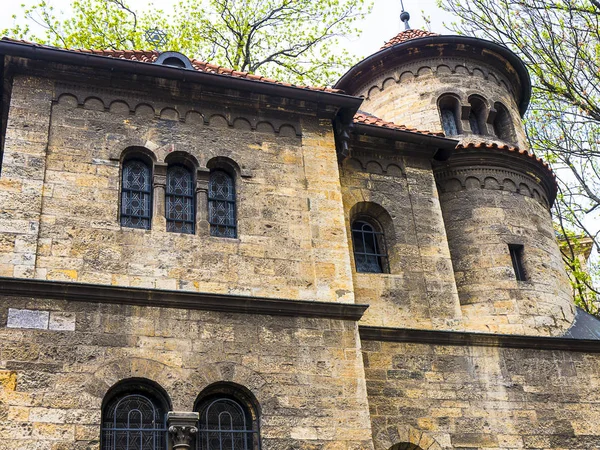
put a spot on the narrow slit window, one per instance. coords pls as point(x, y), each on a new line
point(369, 248)
point(221, 205)
point(516, 255)
point(136, 195)
point(180, 208)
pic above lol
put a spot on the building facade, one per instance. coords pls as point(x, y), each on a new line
point(193, 257)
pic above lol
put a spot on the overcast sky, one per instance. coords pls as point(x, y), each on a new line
point(380, 26)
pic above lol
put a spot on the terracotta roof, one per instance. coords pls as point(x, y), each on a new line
point(507, 148)
point(369, 119)
point(150, 56)
point(407, 35)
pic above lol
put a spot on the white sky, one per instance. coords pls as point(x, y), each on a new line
point(380, 26)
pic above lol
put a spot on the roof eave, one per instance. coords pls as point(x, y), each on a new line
point(512, 58)
point(443, 146)
point(36, 52)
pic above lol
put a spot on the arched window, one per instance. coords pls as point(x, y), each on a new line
point(226, 424)
point(370, 254)
point(477, 115)
point(136, 194)
point(449, 113)
point(134, 420)
point(180, 205)
point(221, 204)
point(503, 124)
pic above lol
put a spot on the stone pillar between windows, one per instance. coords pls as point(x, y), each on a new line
point(182, 428)
point(202, 225)
point(159, 185)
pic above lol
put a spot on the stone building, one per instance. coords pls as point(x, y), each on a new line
point(193, 257)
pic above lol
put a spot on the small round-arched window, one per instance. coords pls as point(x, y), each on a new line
point(136, 194)
point(449, 113)
point(133, 421)
point(226, 424)
point(503, 124)
point(221, 204)
point(370, 254)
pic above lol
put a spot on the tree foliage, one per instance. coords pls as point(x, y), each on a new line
point(295, 40)
point(559, 41)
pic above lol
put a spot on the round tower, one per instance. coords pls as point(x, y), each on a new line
point(495, 196)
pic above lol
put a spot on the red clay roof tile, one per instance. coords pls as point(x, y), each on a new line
point(150, 56)
point(507, 148)
point(407, 35)
point(369, 119)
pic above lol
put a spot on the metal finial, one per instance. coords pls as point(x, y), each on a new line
point(404, 16)
point(156, 37)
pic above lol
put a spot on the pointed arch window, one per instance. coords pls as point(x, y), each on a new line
point(136, 194)
point(222, 204)
point(180, 200)
point(226, 424)
point(370, 255)
point(133, 421)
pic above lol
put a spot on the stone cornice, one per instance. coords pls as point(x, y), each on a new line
point(498, 164)
point(461, 338)
point(93, 293)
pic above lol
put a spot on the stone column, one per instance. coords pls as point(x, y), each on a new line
point(159, 185)
point(182, 429)
point(202, 225)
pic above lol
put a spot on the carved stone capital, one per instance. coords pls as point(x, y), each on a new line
point(182, 429)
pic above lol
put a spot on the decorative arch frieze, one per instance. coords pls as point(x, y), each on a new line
point(371, 163)
point(492, 178)
point(429, 67)
point(122, 104)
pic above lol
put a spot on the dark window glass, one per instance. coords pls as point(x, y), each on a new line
point(225, 425)
point(503, 125)
point(369, 248)
point(136, 195)
point(449, 122)
point(516, 255)
point(221, 205)
point(180, 207)
point(133, 422)
point(473, 121)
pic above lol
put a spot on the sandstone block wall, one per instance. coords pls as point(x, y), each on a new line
point(306, 373)
point(61, 182)
point(481, 223)
point(455, 397)
point(408, 95)
point(419, 291)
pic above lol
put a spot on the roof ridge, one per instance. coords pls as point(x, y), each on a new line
point(408, 35)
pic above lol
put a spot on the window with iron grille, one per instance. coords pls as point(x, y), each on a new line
point(136, 194)
point(225, 424)
point(370, 254)
point(180, 205)
point(221, 204)
point(133, 422)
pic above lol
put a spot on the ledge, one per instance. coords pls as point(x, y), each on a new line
point(462, 338)
point(93, 293)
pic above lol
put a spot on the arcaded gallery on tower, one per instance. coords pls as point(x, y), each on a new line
point(197, 258)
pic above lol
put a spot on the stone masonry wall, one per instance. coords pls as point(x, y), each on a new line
point(22, 179)
point(291, 236)
point(306, 374)
point(419, 291)
point(408, 95)
point(481, 222)
point(455, 397)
